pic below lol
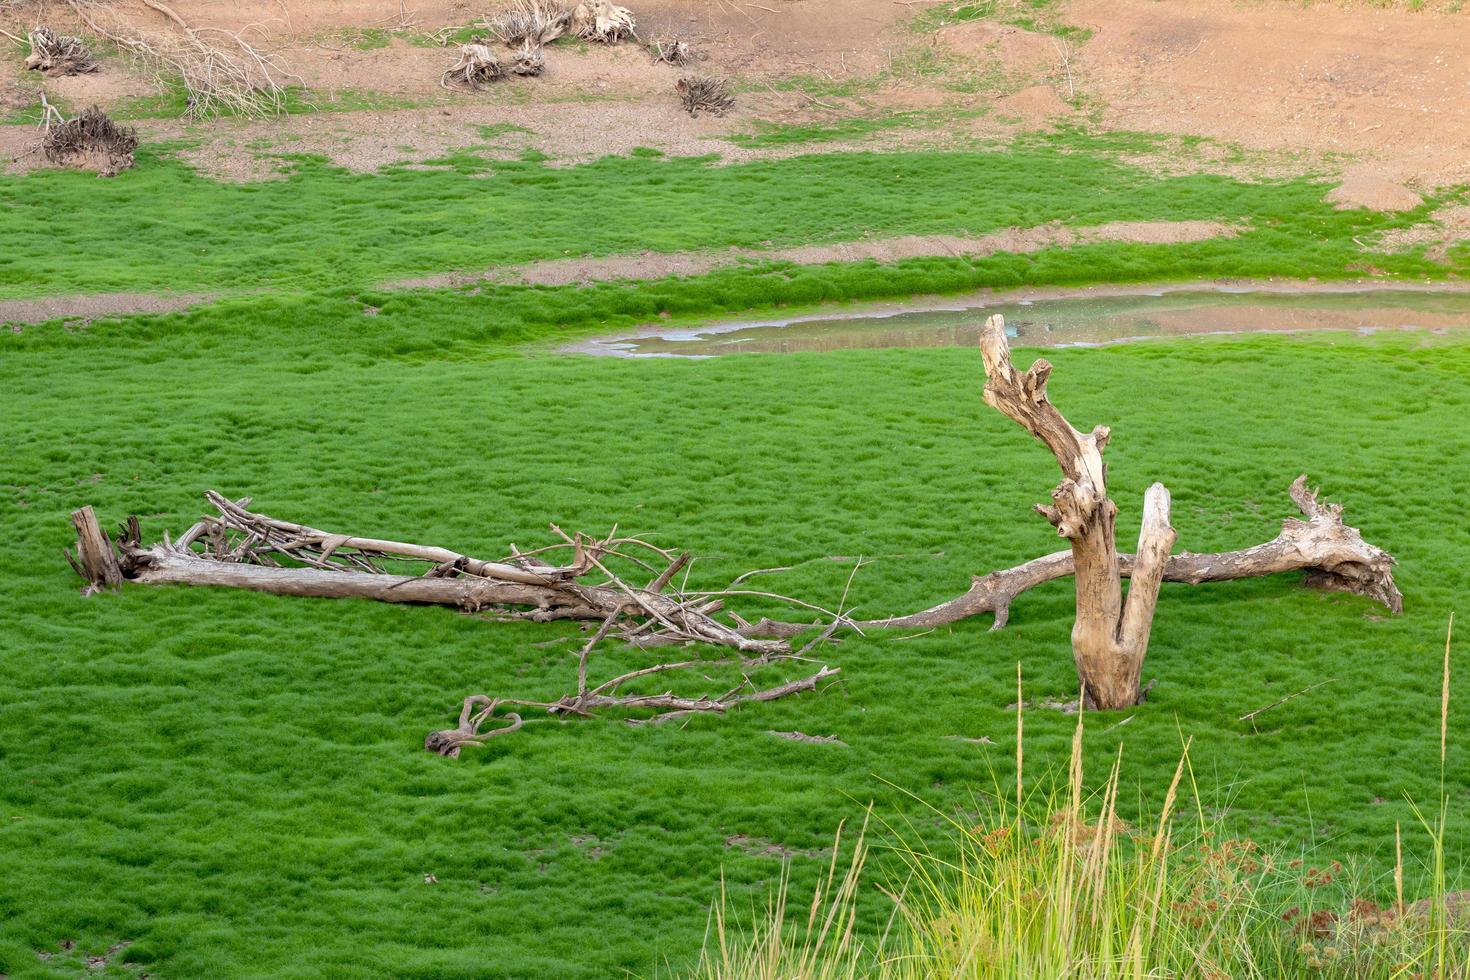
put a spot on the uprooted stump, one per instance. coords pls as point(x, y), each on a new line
point(527, 61)
point(602, 21)
point(477, 67)
point(91, 141)
point(700, 93)
point(534, 22)
point(58, 54)
point(672, 50)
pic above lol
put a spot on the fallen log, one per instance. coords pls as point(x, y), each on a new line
point(1332, 554)
point(245, 550)
point(239, 548)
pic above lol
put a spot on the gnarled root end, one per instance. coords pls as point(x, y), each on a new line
point(1345, 562)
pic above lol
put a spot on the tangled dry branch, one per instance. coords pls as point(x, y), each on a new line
point(221, 72)
point(700, 93)
point(58, 54)
point(672, 50)
point(239, 548)
point(91, 140)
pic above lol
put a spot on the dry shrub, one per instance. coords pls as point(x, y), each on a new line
point(58, 54)
point(700, 93)
point(601, 20)
point(529, 22)
point(91, 141)
point(476, 68)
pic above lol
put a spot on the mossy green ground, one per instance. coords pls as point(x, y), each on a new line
point(164, 226)
point(236, 782)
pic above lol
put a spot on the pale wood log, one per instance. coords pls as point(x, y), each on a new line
point(164, 565)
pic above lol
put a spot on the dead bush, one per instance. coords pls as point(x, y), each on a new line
point(91, 141)
point(700, 93)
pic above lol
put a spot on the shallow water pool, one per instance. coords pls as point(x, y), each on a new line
point(1057, 321)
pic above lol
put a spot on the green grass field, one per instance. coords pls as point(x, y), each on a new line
point(163, 226)
point(236, 783)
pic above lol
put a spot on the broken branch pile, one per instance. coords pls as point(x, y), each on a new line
point(221, 72)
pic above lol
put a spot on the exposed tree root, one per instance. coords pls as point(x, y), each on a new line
point(699, 93)
point(476, 68)
point(58, 54)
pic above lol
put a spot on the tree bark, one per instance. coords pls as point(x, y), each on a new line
point(1110, 634)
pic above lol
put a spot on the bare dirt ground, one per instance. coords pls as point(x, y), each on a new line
point(1390, 88)
point(1385, 89)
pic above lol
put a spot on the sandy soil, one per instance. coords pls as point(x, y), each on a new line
point(1387, 89)
point(1387, 86)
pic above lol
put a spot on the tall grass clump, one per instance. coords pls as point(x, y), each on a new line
point(1055, 883)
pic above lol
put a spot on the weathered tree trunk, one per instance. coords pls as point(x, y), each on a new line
point(1110, 634)
point(1333, 555)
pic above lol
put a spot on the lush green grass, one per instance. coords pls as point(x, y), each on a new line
point(321, 226)
point(236, 781)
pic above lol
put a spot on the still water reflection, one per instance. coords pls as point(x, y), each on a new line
point(1061, 322)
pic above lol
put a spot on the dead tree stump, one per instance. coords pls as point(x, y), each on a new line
point(1110, 634)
